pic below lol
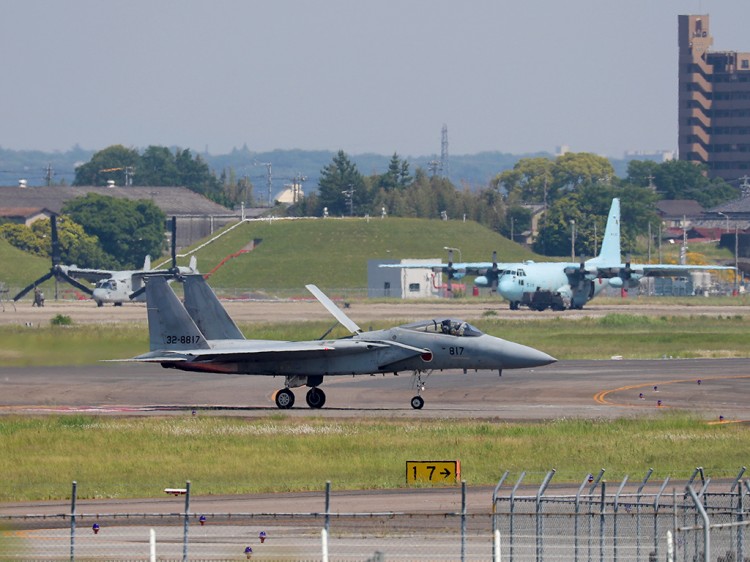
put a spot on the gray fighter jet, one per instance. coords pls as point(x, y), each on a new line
point(200, 336)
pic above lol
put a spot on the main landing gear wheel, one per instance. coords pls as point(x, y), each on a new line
point(417, 402)
point(315, 398)
point(284, 399)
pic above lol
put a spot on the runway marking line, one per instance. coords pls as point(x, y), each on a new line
point(601, 397)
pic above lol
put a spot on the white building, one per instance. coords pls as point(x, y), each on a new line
point(403, 283)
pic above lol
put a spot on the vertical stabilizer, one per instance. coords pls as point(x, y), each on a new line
point(169, 324)
point(610, 253)
point(147, 263)
point(206, 311)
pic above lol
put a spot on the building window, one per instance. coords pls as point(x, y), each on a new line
point(413, 287)
point(745, 63)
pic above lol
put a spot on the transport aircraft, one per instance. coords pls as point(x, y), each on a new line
point(112, 286)
point(200, 336)
point(562, 285)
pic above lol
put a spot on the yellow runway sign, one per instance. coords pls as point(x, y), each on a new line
point(433, 472)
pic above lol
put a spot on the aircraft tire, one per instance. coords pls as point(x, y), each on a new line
point(284, 399)
point(316, 398)
point(417, 402)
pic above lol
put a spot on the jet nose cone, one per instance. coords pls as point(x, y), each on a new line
point(519, 356)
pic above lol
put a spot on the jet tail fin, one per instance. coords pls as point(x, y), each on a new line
point(169, 324)
point(193, 264)
point(207, 312)
point(611, 252)
point(147, 263)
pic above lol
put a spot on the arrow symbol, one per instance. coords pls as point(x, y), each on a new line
point(446, 473)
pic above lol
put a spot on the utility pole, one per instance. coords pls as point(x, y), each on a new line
point(48, 174)
point(349, 195)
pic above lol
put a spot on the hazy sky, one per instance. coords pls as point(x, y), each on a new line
point(363, 76)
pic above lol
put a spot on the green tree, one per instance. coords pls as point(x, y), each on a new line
point(577, 168)
point(338, 179)
point(76, 247)
point(678, 179)
point(530, 181)
point(127, 230)
point(115, 158)
point(157, 166)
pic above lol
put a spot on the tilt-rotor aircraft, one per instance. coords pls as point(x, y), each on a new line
point(111, 286)
point(200, 336)
point(563, 285)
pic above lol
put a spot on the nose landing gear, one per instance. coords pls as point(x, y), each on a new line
point(420, 378)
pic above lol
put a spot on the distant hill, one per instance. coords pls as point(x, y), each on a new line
point(332, 253)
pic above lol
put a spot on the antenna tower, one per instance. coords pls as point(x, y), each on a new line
point(444, 170)
point(268, 178)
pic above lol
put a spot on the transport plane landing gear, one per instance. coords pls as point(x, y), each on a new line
point(419, 377)
point(284, 399)
point(315, 398)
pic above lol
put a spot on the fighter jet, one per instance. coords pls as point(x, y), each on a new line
point(200, 336)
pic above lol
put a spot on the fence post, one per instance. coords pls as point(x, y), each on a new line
point(656, 516)
point(590, 518)
point(186, 523)
point(328, 508)
point(614, 515)
point(494, 509)
point(496, 546)
point(324, 544)
point(463, 520)
point(638, 513)
point(577, 513)
point(706, 524)
point(73, 521)
point(152, 545)
point(511, 508)
point(602, 510)
point(539, 524)
point(670, 547)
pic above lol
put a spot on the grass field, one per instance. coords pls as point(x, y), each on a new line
point(139, 457)
point(628, 335)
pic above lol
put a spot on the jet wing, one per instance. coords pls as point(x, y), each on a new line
point(248, 350)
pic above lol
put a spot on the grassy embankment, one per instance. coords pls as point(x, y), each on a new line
point(138, 457)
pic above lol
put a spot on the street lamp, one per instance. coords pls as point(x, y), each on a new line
point(572, 240)
point(460, 258)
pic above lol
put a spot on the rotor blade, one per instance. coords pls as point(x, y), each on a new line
point(136, 294)
point(39, 281)
point(337, 313)
point(55, 252)
point(76, 284)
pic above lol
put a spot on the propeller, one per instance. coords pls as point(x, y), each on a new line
point(58, 271)
point(173, 271)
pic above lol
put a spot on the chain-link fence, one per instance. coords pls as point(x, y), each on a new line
point(695, 520)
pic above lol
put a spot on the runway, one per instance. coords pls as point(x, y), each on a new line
point(710, 388)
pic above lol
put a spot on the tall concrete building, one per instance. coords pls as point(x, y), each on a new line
point(714, 98)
